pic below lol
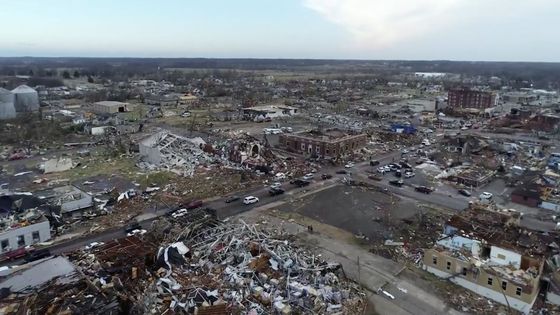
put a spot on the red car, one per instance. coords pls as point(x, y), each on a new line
point(194, 204)
point(16, 254)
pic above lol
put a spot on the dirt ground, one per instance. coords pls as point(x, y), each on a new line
point(357, 210)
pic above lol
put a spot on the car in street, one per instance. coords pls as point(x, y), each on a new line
point(280, 176)
point(276, 185)
point(250, 200)
point(424, 189)
point(308, 176)
point(16, 254)
point(194, 204)
point(409, 174)
point(486, 195)
point(396, 182)
point(37, 254)
point(93, 245)
point(464, 192)
point(326, 176)
point(349, 165)
point(136, 232)
point(275, 191)
point(393, 167)
point(179, 213)
point(231, 199)
point(383, 169)
point(132, 227)
point(342, 172)
point(373, 163)
point(300, 182)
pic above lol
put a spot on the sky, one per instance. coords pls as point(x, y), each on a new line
point(490, 30)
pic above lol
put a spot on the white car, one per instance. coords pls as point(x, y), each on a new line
point(94, 245)
point(276, 185)
point(383, 169)
point(136, 232)
point(308, 176)
point(179, 213)
point(280, 176)
point(349, 165)
point(409, 174)
point(486, 195)
point(404, 151)
point(250, 200)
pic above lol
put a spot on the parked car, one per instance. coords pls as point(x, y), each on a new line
point(132, 227)
point(194, 204)
point(349, 165)
point(275, 191)
point(398, 173)
point(276, 185)
point(409, 174)
point(179, 213)
point(373, 163)
point(250, 200)
point(136, 232)
point(383, 169)
point(308, 176)
point(464, 192)
point(393, 167)
point(424, 189)
point(300, 182)
point(231, 199)
point(16, 253)
point(280, 176)
point(341, 172)
point(486, 195)
point(396, 182)
point(326, 176)
point(93, 245)
point(37, 254)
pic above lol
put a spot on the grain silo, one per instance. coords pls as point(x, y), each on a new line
point(7, 107)
point(26, 99)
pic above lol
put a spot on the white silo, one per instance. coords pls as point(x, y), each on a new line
point(7, 107)
point(26, 99)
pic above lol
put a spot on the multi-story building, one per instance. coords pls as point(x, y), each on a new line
point(25, 229)
point(488, 253)
point(467, 98)
point(330, 143)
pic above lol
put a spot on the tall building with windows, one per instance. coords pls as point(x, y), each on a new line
point(468, 98)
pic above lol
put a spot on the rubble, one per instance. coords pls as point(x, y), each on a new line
point(250, 271)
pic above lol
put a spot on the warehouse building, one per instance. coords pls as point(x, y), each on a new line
point(110, 107)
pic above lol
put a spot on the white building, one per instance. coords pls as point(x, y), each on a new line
point(20, 235)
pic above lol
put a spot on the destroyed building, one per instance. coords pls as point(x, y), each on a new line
point(268, 111)
point(488, 253)
point(175, 153)
point(328, 143)
point(18, 230)
point(201, 266)
point(68, 200)
point(469, 98)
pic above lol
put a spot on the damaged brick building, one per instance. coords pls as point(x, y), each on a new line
point(329, 143)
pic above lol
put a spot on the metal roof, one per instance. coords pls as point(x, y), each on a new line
point(23, 89)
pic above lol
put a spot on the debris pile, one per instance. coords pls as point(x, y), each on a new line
point(238, 269)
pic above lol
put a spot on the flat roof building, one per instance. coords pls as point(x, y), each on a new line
point(330, 143)
point(110, 107)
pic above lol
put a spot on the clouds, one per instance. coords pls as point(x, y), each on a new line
point(380, 24)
